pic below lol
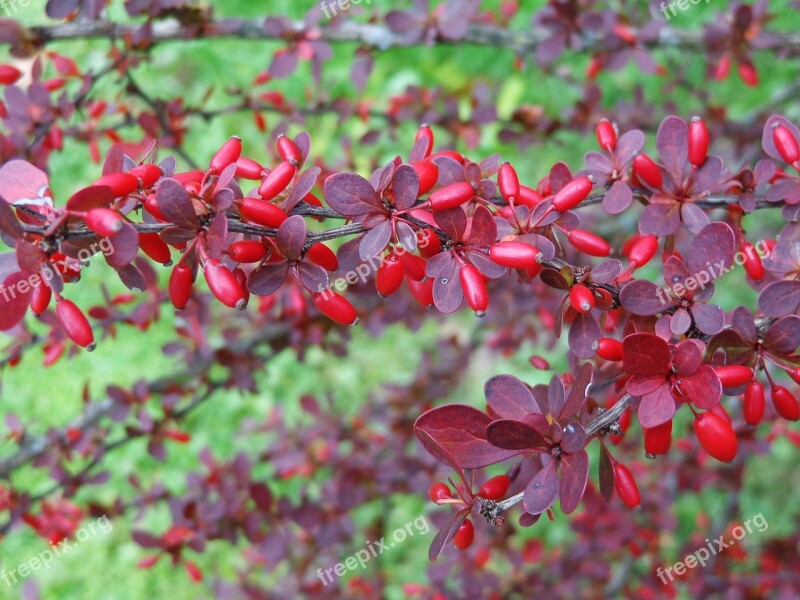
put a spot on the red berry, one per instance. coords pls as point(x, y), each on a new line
point(389, 277)
point(428, 243)
point(40, 297)
point(609, 349)
point(75, 323)
point(336, 307)
point(224, 285)
point(495, 488)
point(748, 73)
point(277, 181)
point(647, 171)
point(9, 74)
point(528, 196)
point(716, 436)
point(413, 265)
point(734, 375)
point(752, 261)
point(588, 243)
point(626, 486)
point(228, 154)
point(428, 173)
point(795, 374)
point(464, 535)
point(643, 250)
point(508, 182)
point(188, 177)
point(606, 135)
point(149, 174)
point(263, 213)
point(422, 290)
point(785, 403)
point(573, 193)
point(658, 439)
point(439, 491)
point(151, 206)
point(121, 184)
point(193, 570)
point(104, 221)
point(754, 403)
point(288, 150)
point(581, 298)
point(247, 168)
point(180, 286)
point(323, 256)
point(247, 251)
point(514, 255)
point(425, 133)
point(785, 143)
point(698, 142)
point(456, 156)
point(474, 288)
point(451, 196)
point(152, 245)
point(723, 68)
point(241, 277)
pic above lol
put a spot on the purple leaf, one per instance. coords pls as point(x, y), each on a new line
point(702, 388)
point(574, 476)
point(350, 194)
point(578, 392)
point(483, 230)
point(783, 336)
point(313, 277)
point(657, 407)
point(90, 197)
point(291, 237)
point(709, 318)
point(509, 397)
point(714, 245)
point(461, 430)
point(453, 221)
point(514, 435)
point(13, 299)
point(405, 186)
point(542, 490)
point(446, 533)
point(447, 293)
point(780, 298)
point(618, 198)
point(644, 298)
point(21, 181)
point(125, 247)
point(267, 278)
point(584, 331)
point(406, 236)
point(672, 141)
point(375, 241)
point(174, 203)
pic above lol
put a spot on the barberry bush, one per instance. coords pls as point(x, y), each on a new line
point(278, 283)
